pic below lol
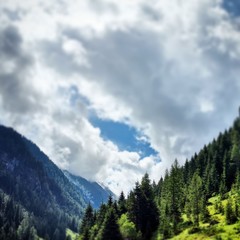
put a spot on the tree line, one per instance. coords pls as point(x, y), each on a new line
point(178, 200)
point(134, 217)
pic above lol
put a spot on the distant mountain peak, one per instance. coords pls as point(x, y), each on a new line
point(93, 192)
point(36, 186)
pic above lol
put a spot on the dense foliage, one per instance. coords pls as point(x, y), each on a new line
point(36, 198)
point(185, 190)
point(180, 199)
point(135, 217)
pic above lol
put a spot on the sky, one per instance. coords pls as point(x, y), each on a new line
point(110, 90)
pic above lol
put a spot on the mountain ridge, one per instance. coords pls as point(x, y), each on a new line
point(31, 181)
point(93, 191)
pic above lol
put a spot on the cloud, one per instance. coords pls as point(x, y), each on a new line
point(168, 69)
point(16, 94)
point(178, 93)
point(50, 116)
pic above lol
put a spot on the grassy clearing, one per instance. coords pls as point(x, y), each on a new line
point(216, 228)
point(217, 232)
point(72, 234)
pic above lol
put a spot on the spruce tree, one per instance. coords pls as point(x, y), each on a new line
point(142, 209)
point(110, 229)
point(88, 220)
point(223, 179)
point(110, 201)
point(101, 214)
point(229, 213)
point(150, 210)
point(122, 208)
point(175, 195)
point(194, 198)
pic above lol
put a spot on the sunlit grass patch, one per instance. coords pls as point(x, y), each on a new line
point(72, 234)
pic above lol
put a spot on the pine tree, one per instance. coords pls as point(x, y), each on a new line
point(142, 209)
point(139, 208)
point(110, 229)
point(110, 201)
point(86, 234)
point(204, 209)
point(175, 198)
point(122, 208)
point(88, 220)
point(186, 172)
point(223, 180)
point(132, 207)
point(101, 214)
point(158, 191)
point(151, 216)
point(229, 213)
point(194, 198)
point(165, 221)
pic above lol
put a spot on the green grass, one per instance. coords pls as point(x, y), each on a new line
point(185, 235)
point(225, 232)
point(218, 230)
point(72, 234)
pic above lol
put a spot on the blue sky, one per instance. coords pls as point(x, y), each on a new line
point(124, 136)
point(232, 6)
point(171, 68)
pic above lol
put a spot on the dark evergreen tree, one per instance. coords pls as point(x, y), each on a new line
point(151, 213)
point(122, 208)
point(110, 201)
point(88, 219)
point(175, 196)
point(142, 208)
point(110, 229)
point(195, 194)
point(229, 213)
point(101, 214)
point(223, 179)
point(85, 234)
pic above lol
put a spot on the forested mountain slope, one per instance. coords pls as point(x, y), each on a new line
point(90, 191)
point(29, 179)
point(199, 200)
point(36, 197)
point(183, 194)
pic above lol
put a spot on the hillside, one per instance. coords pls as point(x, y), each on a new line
point(36, 196)
point(91, 192)
point(200, 200)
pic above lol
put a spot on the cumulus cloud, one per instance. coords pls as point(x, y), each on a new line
point(17, 95)
point(169, 69)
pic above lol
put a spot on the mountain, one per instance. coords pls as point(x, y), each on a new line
point(198, 200)
point(36, 197)
point(201, 199)
point(92, 192)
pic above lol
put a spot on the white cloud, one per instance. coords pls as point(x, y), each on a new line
point(77, 51)
point(206, 106)
point(168, 68)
